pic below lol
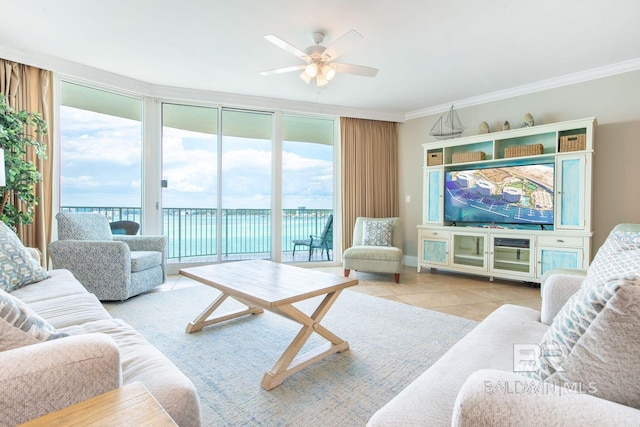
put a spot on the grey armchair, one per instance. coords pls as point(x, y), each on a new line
point(113, 267)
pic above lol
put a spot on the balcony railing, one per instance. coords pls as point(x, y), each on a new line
point(192, 232)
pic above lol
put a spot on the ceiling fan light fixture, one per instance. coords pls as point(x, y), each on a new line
point(311, 70)
point(328, 72)
point(304, 76)
point(321, 80)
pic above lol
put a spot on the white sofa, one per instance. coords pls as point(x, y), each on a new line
point(475, 383)
point(101, 354)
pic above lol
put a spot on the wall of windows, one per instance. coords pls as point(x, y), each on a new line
point(235, 184)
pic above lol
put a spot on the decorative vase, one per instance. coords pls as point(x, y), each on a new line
point(484, 128)
point(506, 125)
point(527, 121)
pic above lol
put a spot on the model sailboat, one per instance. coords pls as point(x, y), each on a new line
point(451, 127)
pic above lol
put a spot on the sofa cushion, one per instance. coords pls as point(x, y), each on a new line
point(17, 267)
point(83, 226)
point(382, 253)
point(70, 310)
point(20, 326)
point(377, 232)
point(142, 260)
point(60, 283)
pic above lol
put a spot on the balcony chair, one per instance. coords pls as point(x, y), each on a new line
point(323, 242)
point(376, 247)
point(113, 267)
point(129, 228)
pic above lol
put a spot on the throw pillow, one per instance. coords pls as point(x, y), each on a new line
point(604, 361)
point(617, 263)
point(17, 267)
point(20, 326)
point(377, 233)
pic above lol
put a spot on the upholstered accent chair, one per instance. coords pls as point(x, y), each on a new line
point(113, 267)
point(376, 247)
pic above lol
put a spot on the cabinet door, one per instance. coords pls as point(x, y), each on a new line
point(435, 251)
point(552, 257)
point(469, 251)
point(570, 193)
point(433, 187)
point(512, 255)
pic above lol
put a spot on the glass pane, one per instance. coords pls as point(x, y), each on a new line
point(468, 250)
point(100, 153)
point(307, 189)
point(512, 254)
point(189, 173)
point(246, 185)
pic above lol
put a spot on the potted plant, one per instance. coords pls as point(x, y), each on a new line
point(19, 130)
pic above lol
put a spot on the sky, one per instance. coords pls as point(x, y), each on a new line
point(101, 166)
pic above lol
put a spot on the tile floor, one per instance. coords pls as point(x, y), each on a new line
point(472, 297)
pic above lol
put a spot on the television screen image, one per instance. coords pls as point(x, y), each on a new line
point(520, 194)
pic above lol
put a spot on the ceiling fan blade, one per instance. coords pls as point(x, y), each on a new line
point(288, 47)
point(283, 70)
point(358, 70)
point(341, 45)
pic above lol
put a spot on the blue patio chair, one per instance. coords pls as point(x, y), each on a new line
point(324, 241)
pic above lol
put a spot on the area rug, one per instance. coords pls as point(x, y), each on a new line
point(390, 345)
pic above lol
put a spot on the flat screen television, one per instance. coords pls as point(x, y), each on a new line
point(518, 194)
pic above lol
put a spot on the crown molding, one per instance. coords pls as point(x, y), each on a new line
point(566, 80)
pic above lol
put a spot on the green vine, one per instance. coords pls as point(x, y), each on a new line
point(21, 175)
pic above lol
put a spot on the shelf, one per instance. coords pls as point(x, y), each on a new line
point(465, 256)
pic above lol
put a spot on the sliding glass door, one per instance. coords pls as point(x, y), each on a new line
point(216, 193)
point(190, 182)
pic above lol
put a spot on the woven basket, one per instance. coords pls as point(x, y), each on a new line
point(471, 156)
point(523, 150)
point(434, 159)
point(573, 142)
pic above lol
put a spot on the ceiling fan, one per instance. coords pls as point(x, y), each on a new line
point(319, 59)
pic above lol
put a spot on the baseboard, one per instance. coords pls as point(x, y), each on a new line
point(410, 261)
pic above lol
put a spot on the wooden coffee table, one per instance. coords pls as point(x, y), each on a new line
point(265, 285)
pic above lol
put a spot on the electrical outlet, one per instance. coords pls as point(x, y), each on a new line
point(407, 199)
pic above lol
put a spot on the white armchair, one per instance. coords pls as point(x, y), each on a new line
point(373, 249)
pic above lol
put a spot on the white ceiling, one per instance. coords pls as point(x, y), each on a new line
point(429, 53)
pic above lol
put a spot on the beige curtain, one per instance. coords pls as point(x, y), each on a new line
point(29, 88)
point(369, 171)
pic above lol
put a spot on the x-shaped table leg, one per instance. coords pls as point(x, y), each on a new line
point(290, 362)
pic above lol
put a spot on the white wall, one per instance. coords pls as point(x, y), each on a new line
point(614, 101)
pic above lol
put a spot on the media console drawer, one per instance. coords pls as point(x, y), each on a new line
point(435, 234)
point(560, 241)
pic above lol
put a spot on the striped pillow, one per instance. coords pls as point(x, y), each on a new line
point(20, 326)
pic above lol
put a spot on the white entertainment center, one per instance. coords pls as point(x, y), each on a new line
point(509, 248)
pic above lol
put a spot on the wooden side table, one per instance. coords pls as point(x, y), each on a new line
point(131, 405)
